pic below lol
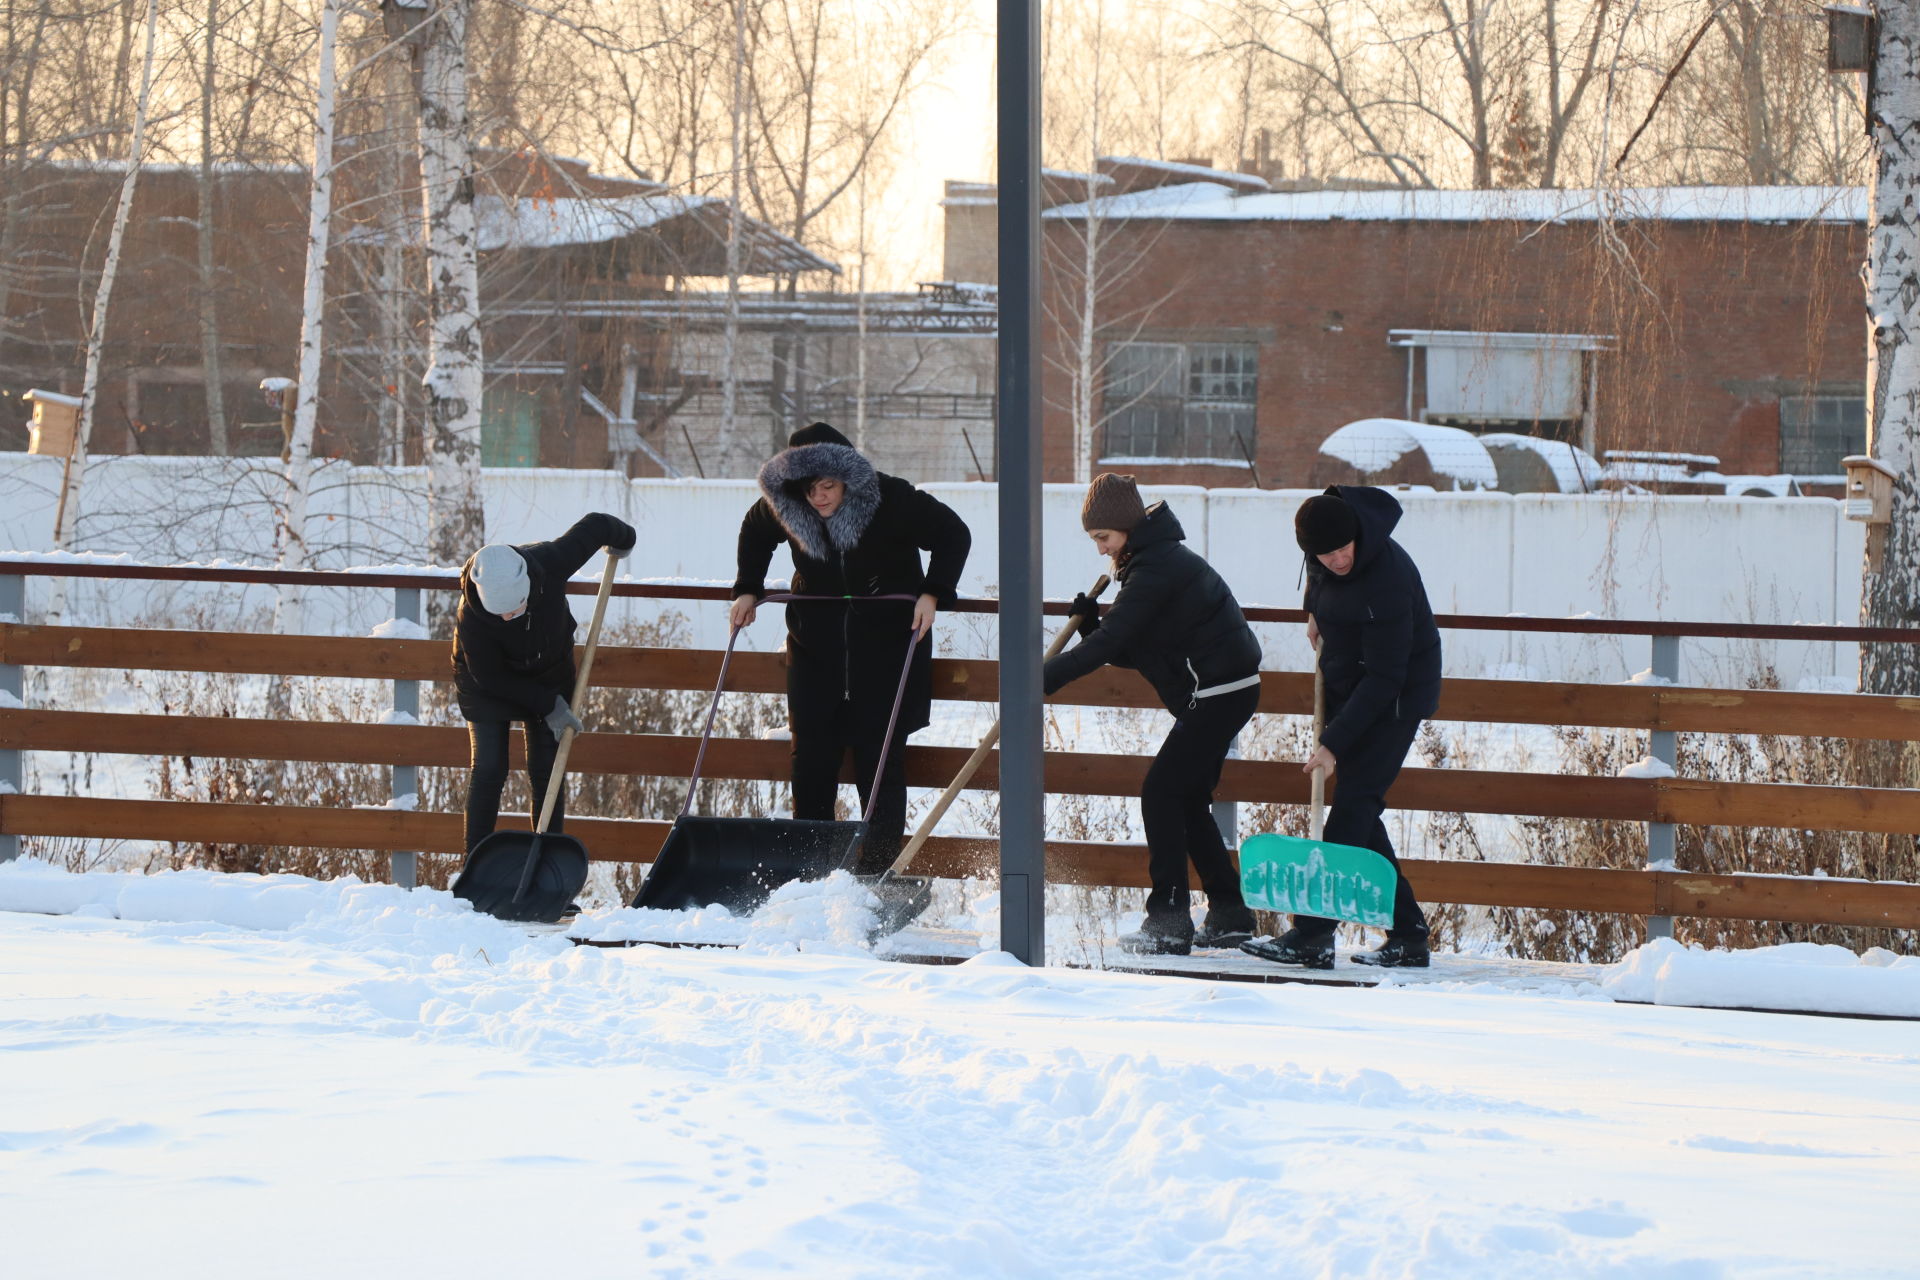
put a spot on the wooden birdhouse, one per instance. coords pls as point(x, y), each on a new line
point(56, 421)
point(1869, 497)
point(1869, 489)
point(1850, 37)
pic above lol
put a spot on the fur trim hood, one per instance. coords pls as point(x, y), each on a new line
point(782, 484)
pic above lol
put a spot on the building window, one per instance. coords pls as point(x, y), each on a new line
point(1817, 431)
point(1184, 401)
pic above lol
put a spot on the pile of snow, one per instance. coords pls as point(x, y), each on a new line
point(1797, 975)
point(1646, 767)
point(834, 916)
point(399, 629)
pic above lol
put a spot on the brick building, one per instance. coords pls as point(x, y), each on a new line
point(1231, 319)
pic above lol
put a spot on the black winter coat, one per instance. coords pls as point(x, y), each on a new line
point(513, 670)
point(1174, 621)
point(852, 651)
point(1379, 647)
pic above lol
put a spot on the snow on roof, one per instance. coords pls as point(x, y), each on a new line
point(1194, 172)
point(1177, 201)
point(1195, 201)
point(1574, 469)
point(1373, 445)
point(569, 220)
point(53, 397)
point(547, 224)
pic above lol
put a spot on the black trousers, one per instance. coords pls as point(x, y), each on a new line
point(816, 781)
point(488, 777)
point(1361, 778)
point(1176, 807)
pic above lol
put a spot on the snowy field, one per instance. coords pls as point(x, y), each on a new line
point(217, 1076)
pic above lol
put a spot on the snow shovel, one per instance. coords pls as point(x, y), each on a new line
point(737, 863)
point(1312, 877)
point(904, 897)
point(535, 875)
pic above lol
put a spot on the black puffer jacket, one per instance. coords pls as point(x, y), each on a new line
point(512, 670)
point(1174, 621)
point(852, 651)
point(1379, 648)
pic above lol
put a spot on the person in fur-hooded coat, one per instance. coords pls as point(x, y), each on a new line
point(853, 533)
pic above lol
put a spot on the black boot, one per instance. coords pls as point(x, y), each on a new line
point(1224, 927)
point(1406, 952)
point(1160, 936)
point(1311, 951)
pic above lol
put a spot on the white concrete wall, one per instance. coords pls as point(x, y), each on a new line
point(1691, 558)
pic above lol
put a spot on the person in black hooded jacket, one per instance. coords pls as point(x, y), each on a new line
point(1178, 625)
point(513, 657)
point(1380, 661)
point(853, 532)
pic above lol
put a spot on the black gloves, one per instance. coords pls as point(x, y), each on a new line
point(1087, 610)
point(620, 553)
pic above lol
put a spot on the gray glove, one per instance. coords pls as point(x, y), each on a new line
point(561, 718)
point(619, 553)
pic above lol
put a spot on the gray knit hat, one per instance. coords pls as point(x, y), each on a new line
point(499, 574)
point(1113, 502)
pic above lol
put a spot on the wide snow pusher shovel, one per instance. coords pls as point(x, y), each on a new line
point(1313, 877)
point(737, 863)
point(904, 897)
point(535, 875)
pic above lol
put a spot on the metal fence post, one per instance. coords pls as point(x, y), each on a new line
point(406, 777)
point(1666, 666)
point(1023, 818)
point(13, 691)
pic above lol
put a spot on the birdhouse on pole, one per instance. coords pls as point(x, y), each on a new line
point(1869, 497)
point(56, 422)
point(1851, 33)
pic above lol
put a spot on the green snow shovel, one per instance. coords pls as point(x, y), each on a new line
point(1312, 877)
point(533, 876)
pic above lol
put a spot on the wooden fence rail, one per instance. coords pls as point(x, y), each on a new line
point(1654, 708)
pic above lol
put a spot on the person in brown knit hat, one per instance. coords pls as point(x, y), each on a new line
point(1176, 623)
point(1113, 502)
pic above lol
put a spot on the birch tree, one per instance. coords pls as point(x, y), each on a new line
point(210, 348)
point(456, 521)
point(313, 305)
point(1890, 588)
point(67, 512)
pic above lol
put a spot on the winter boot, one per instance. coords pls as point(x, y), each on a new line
point(1294, 947)
point(1408, 951)
point(1160, 936)
point(1224, 927)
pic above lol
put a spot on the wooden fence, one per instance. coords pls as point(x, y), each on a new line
point(1658, 801)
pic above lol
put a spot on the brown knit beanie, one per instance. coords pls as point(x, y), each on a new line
point(1113, 502)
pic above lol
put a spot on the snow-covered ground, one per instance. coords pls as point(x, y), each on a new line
point(217, 1076)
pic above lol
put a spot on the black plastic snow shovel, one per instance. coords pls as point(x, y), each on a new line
point(737, 863)
point(535, 875)
point(904, 897)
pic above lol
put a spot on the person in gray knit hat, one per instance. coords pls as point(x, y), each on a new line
point(513, 657)
point(1177, 624)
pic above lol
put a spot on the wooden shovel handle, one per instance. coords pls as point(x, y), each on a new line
point(1317, 817)
point(979, 756)
point(558, 776)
